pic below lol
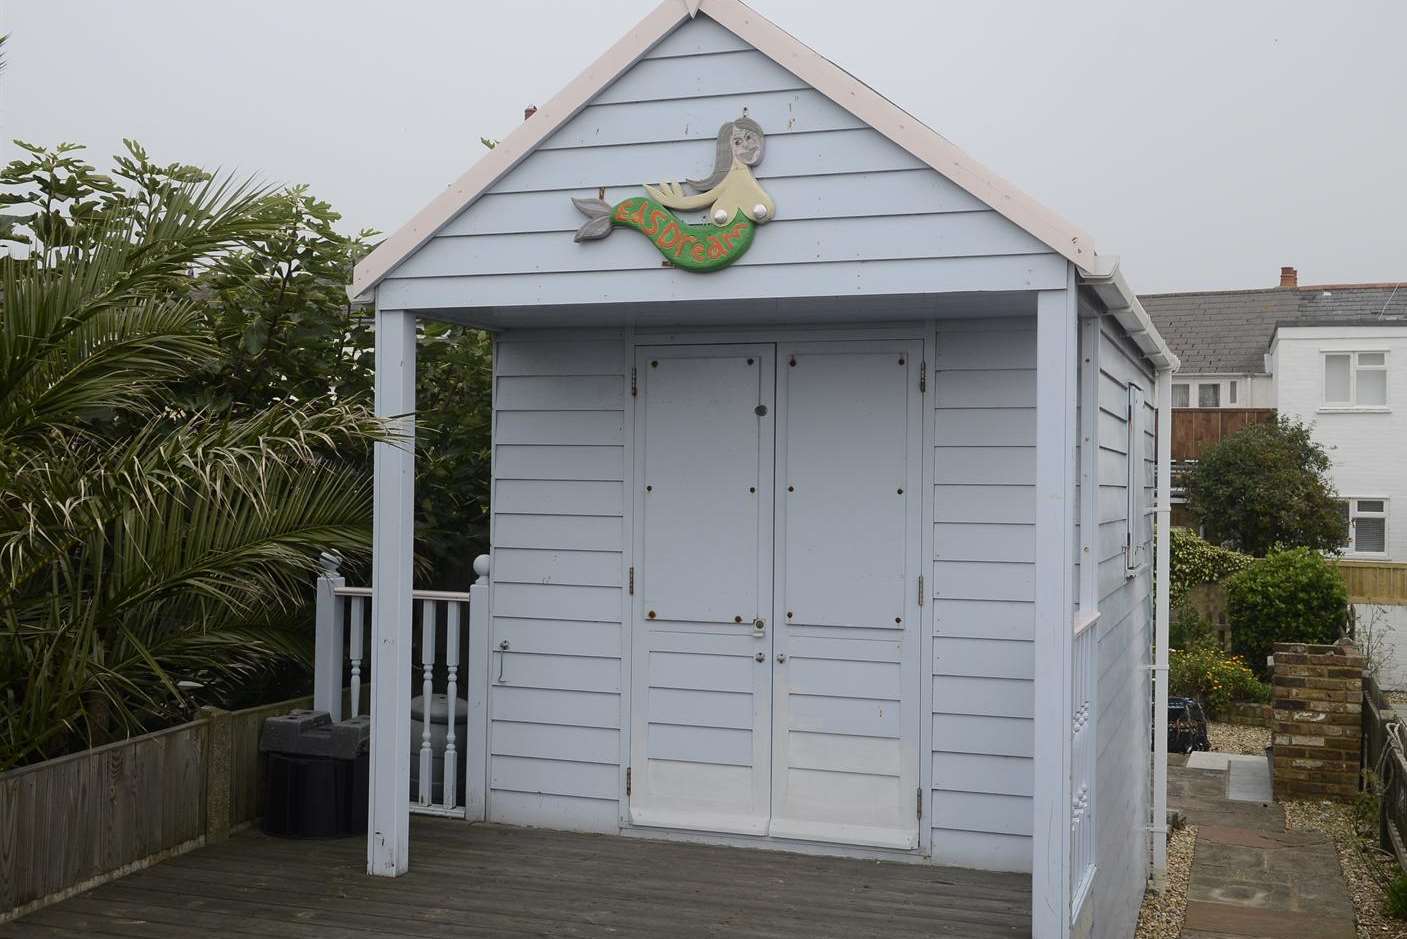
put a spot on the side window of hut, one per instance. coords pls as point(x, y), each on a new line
point(1182, 396)
point(1134, 482)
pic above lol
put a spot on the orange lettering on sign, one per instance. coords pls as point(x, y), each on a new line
point(653, 228)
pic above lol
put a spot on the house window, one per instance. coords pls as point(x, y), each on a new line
point(1231, 392)
point(1209, 395)
point(1182, 396)
point(1365, 524)
point(1355, 379)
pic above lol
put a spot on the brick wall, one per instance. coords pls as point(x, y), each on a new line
point(1317, 700)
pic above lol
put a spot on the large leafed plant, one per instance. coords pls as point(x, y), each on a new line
point(152, 541)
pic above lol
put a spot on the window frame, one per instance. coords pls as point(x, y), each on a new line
point(1186, 387)
point(1351, 549)
point(1216, 389)
point(1352, 404)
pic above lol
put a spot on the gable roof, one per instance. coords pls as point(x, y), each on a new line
point(902, 128)
point(1229, 331)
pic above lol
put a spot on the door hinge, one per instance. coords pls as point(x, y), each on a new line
point(632, 581)
point(634, 382)
point(919, 793)
point(627, 780)
point(920, 590)
point(923, 377)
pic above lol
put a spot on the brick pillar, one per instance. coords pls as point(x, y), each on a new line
point(1317, 701)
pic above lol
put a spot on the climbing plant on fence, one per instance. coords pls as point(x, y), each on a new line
point(1195, 561)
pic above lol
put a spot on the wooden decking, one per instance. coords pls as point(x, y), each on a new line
point(486, 880)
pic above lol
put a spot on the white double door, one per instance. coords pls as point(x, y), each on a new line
point(775, 644)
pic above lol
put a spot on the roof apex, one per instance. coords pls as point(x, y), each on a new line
point(783, 48)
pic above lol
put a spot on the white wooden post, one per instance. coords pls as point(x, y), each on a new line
point(477, 690)
point(328, 636)
point(427, 692)
point(1163, 537)
point(451, 792)
point(388, 823)
point(1056, 368)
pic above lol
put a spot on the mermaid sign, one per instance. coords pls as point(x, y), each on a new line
point(734, 201)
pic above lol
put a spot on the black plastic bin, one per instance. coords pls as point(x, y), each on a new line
point(315, 775)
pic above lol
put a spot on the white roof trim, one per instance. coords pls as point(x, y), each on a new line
point(827, 77)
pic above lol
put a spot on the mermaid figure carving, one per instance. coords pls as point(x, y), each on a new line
point(734, 202)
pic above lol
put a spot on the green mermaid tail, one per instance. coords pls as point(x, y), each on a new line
point(703, 247)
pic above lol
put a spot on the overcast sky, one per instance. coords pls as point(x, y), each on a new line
point(1207, 143)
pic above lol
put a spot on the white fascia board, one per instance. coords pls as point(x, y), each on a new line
point(1108, 283)
point(786, 50)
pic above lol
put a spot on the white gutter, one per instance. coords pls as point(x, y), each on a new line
point(1162, 583)
point(1108, 283)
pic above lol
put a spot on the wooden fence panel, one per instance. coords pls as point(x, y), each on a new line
point(1196, 429)
point(1375, 581)
point(69, 823)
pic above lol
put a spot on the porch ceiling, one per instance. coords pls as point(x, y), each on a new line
point(494, 881)
point(868, 308)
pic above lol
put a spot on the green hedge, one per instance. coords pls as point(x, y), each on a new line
point(1294, 595)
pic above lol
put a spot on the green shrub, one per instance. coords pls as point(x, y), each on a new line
point(1396, 900)
point(1294, 595)
point(1267, 485)
point(1212, 677)
point(1193, 561)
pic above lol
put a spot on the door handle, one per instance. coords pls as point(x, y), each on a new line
point(759, 628)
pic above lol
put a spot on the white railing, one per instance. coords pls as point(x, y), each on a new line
point(1084, 681)
point(453, 626)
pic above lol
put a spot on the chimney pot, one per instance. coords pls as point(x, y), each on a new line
point(529, 111)
point(1289, 277)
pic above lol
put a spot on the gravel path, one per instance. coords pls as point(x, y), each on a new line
point(1161, 914)
point(1238, 738)
point(1364, 869)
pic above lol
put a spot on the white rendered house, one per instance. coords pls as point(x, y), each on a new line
point(1331, 355)
point(822, 511)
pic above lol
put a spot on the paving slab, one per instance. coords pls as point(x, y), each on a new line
point(1248, 780)
point(1250, 877)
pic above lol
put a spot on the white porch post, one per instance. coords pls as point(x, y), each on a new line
point(1162, 581)
point(388, 822)
point(1057, 351)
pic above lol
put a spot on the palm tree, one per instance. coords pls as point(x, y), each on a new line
point(152, 556)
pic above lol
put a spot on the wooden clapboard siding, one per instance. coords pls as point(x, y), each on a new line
point(1375, 581)
point(1125, 631)
point(1196, 429)
point(559, 471)
point(982, 589)
point(73, 821)
point(855, 210)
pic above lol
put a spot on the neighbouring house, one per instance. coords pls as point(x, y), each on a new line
point(1334, 355)
point(823, 484)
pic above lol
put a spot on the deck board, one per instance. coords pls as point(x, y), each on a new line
point(488, 880)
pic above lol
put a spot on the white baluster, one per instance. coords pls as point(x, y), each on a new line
point(355, 651)
point(427, 659)
point(452, 693)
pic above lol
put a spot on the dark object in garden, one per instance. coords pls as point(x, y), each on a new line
point(315, 775)
point(1187, 726)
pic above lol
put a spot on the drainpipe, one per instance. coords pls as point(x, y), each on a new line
point(1162, 581)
